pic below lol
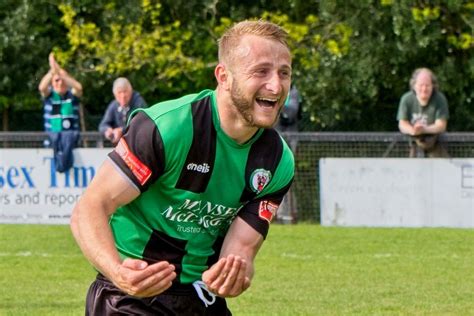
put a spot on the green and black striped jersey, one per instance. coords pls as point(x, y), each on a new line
point(194, 180)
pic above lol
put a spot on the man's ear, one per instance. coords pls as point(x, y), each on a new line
point(222, 76)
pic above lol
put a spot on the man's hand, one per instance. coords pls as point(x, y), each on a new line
point(137, 278)
point(113, 134)
point(109, 133)
point(53, 64)
point(117, 133)
point(227, 277)
point(418, 128)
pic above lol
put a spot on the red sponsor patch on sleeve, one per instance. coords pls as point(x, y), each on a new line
point(266, 210)
point(138, 168)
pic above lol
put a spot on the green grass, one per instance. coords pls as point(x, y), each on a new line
point(301, 270)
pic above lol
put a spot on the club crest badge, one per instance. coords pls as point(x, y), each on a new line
point(259, 180)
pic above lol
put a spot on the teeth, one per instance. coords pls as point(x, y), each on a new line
point(268, 99)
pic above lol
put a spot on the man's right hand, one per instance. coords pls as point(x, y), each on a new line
point(418, 128)
point(137, 278)
point(109, 134)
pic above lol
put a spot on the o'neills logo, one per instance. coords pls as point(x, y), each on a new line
point(202, 168)
point(259, 179)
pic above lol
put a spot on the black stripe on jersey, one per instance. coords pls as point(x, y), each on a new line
point(199, 163)
point(217, 246)
point(145, 142)
point(161, 247)
point(265, 153)
point(250, 212)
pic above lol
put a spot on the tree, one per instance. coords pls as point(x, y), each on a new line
point(27, 33)
point(352, 59)
point(360, 89)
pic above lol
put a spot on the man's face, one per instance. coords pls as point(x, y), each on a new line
point(123, 95)
point(59, 85)
point(423, 87)
point(261, 78)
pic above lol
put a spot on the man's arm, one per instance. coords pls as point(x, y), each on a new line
point(75, 85)
point(232, 274)
point(43, 86)
point(438, 127)
point(107, 119)
point(405, 127)
point(90, 227)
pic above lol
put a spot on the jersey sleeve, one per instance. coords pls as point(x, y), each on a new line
point(260, 210)
point(259, 213)
point(140, 152)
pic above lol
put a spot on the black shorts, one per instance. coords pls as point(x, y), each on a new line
point(104, 298)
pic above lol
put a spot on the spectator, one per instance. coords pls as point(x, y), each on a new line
point(291, 112)
point(423, 114)
point(117, 112)
point(175, 217)
point(288, 122)
point(60, 93)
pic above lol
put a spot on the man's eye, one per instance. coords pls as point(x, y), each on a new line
point(285, 74)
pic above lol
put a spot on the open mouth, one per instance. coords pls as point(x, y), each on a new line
point(267, 102)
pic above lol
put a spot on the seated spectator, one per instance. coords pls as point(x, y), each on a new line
point(60, 93)
point(423, 114)
point(117, 112)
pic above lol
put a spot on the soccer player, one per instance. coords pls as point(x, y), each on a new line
point(174, 218)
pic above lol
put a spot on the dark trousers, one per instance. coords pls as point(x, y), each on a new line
point(427, 146)
point(104, 298)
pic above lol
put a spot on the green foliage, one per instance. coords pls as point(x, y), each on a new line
point(27, 33)
point(124, 44)
point(352, 59)
point(360, 89)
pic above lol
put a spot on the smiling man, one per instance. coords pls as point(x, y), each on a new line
point(175, 217)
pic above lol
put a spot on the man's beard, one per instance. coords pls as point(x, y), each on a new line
point(244, 106)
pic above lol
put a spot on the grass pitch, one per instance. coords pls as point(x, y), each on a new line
point(300, 270)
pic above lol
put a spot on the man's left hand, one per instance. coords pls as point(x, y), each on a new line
point(228, 277)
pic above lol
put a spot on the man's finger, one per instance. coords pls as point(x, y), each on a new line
point(214, 271)
point(134, 264)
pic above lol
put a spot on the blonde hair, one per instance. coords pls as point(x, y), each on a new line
point(231, 38)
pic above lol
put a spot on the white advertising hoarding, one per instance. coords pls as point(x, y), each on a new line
point(397, 192)
point(31, 191)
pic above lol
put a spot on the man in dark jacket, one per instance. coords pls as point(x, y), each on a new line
point(115, 117)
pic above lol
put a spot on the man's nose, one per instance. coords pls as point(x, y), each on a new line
point(274, 83)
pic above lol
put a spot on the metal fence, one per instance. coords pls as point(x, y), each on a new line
point(302, 204)
point(37, 140)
